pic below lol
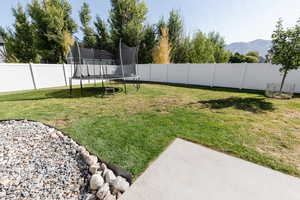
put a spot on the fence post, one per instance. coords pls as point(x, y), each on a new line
point(32, 76)
point(167, 75)
point(243, 76)
point(150, 71)
point(64, 70)
point(212, 84)
point(188, 73)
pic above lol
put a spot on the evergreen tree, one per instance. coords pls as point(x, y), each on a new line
point(184, 51)
point(220, 54)
point(53, 28)
point(161, 25)
point(147, 45)
point(19, 41)
point(175, 26)
point(89, 38)
point(102, 35)
point(127, 21)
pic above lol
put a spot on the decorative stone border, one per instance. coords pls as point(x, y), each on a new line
point(107, 182)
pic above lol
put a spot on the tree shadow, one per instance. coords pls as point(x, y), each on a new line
point(254, 105)
point(61, 94)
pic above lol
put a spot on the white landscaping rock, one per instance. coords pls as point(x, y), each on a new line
point(91, 160)
point(109, 176)
point(120, 184)
point(103, 191)
point(91, 197)
point(103, 166)
point(109, 196)
point(94, 168)
point(96, 182)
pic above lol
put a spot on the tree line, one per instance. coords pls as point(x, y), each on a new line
point(44, 31)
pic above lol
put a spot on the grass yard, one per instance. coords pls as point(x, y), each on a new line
point(131, 130)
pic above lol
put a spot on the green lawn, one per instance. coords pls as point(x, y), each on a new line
point(131, 130)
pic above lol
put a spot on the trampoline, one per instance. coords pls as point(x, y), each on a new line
point(94, 64)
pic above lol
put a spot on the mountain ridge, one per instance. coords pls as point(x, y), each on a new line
point(259, 45)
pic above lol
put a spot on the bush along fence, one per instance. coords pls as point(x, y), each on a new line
point(15, 77)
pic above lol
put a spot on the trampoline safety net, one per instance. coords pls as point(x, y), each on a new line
point(99, 64)
point(95, 64)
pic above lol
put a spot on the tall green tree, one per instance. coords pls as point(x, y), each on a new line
point(184, 51)
point(286, 48)
point(161, 25)
point(175, 26)
point(221, 55)
point(147, 45)
point(53, 28)
point(89, 36)
point(202, 49)
point(19, 41)
point(102, 35)
point(126, 20)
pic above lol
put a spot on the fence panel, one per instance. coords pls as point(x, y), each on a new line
point(178, 73)
point(15, 77)
point(259, 75)
point(159, 73)
point(229, 75)
point(201, 74)
point(48, 75)
point(144, 71)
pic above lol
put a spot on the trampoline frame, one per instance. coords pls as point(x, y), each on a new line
point(103, 75)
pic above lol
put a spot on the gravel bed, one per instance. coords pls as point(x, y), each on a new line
point(39, 162)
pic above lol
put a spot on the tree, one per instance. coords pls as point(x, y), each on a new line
point(89, 38)
point(147, 45)
point(251, 59)
point(253, 53)
point(240, 58)
point(220, 54)
point(19, 41)
point(102, 35)
point(286, 49)
point(175, 26)
point(161, 25)
point(127, 21)
point(161, 54)
point(54, 27)
point(184, 51)
point(202, 49)
point(237, 58)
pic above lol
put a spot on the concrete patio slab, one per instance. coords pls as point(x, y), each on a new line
point(193, 172)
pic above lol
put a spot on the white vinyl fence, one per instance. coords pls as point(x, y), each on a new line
point(15, 77)
point(242, 75)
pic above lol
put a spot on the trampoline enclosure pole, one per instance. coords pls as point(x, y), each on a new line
point(121, 62)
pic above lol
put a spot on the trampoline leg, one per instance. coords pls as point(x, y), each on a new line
point(125, 87)
point(81, 87)
point(103, 88)
point(138, 84)
point(70, 84)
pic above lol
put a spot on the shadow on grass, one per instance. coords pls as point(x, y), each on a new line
point(61, 94)
point(254, 105)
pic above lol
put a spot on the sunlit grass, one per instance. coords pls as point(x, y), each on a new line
point(132, 130)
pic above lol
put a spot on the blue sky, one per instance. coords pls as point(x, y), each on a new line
point(236, 20)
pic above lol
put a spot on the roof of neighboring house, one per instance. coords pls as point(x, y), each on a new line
point(1, 40)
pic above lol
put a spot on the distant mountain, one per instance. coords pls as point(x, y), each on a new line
point(262, 46)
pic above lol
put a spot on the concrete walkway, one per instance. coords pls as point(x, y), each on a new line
point(193, 172)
